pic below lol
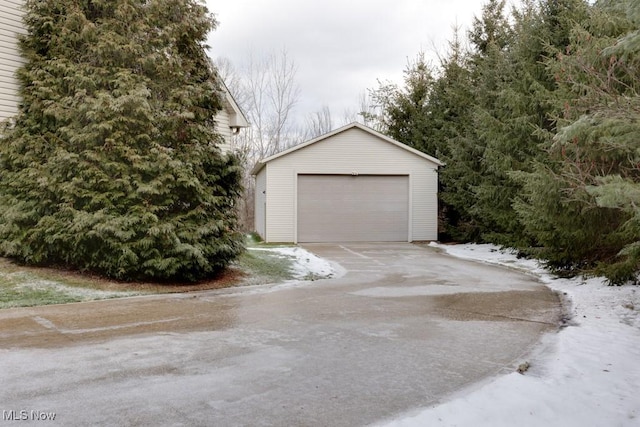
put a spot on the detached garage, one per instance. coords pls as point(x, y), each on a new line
point(350, 185)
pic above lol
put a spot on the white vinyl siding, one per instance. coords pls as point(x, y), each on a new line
point(222, 127)
point(260, 203)
point(350, 151)
point(228, 119)
point(10, 59)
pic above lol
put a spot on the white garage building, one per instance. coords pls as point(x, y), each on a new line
point(351, 185)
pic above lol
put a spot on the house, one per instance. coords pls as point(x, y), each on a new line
point(230, 119)
point(352, 184)
point(10, 60)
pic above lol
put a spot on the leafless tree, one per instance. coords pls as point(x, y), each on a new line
point(318, 123)
point(266, 90)
point(269, 94)
point(231, 78)
point(283, 94)
point(366, 112)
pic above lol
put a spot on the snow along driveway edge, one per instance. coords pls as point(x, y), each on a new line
point(588, 374)
point(305, 265)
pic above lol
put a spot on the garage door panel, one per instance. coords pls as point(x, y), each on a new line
point(334, 208)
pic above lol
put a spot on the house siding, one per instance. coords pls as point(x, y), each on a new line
point(222, 127)
point(350, 151)
point(10, 60)
point(260, 203)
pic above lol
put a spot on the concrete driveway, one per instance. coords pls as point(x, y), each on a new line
point(404, 328)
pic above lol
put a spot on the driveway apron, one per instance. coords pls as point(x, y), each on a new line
point(403, 328)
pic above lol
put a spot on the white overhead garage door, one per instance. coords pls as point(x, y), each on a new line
point(345, 208)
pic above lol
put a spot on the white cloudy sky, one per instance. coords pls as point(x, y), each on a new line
point(340, 47)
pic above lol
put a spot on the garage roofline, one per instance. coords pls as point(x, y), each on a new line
point(258, 167)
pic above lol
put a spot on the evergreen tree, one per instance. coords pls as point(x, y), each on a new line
point(515, 107)
point(489, 205)
point(582, 207)
point(404, 111)
point(450, 108)
point(112, 164)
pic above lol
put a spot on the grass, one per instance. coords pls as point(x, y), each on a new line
point(265, 267)
point(12, 295)
point(22, 286)
point(28, 287)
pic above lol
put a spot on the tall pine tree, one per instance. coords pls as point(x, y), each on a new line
point(404, 111)
point(112, 164)
point(514, 108)
point(486, 206)
point(451, 113)
point(582, 207)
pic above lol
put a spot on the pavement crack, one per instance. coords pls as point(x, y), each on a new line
point(466, 313)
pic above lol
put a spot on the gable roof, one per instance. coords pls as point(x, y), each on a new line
point(354, 125)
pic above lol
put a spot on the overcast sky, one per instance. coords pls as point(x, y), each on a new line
point(340, 47)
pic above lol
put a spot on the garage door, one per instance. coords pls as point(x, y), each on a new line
point(345, 208)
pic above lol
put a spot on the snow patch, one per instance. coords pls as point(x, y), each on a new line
point(588, 374)
point(305, 265)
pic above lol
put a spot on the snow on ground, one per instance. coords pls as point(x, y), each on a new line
point(587, 374)
point(305, 265)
